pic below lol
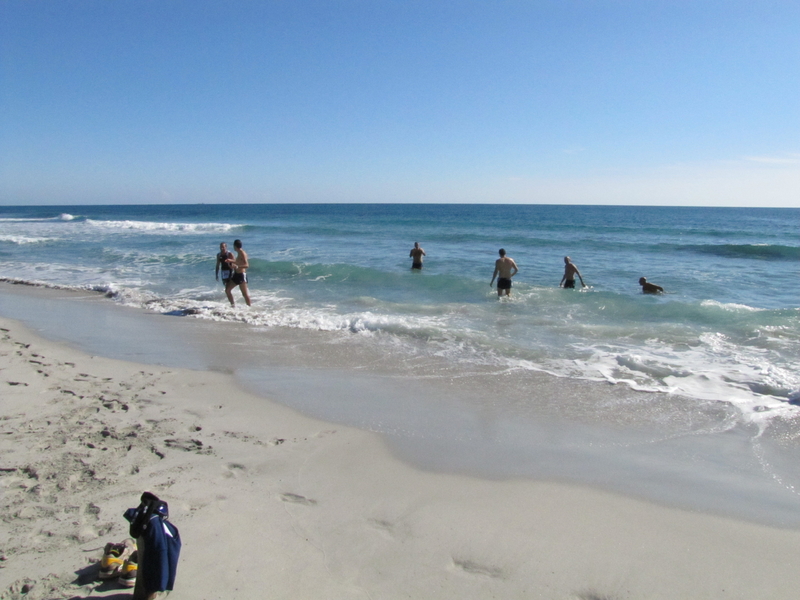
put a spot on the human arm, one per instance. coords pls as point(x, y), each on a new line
point(496, 268)
point(230, 261)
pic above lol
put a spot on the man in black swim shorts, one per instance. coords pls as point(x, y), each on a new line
point(416, 255)
point(506, 268)
point(239, 277)
point(570, 270)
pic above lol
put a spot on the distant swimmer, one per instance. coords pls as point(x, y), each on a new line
point(416, 253)
point(506, 268)
point(239, 277)
point(570, 270)
point(223, 265)
point(650, 288)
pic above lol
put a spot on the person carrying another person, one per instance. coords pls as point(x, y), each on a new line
point(570, 270)
point(239, 277)
point(506, 268)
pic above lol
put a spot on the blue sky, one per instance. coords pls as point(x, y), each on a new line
point(563, 101)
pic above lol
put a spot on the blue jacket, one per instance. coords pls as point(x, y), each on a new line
point(162, 547)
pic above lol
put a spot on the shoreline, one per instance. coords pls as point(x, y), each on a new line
point(443, 421)
point(269, 499)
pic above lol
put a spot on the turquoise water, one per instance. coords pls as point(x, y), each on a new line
point(728, 328)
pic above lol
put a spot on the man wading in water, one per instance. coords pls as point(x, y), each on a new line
point(239, 277)
point(506, 268)
point(223, 265)
point(416, 254)
point(570, 270)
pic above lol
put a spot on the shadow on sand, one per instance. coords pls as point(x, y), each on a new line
point(89, 575)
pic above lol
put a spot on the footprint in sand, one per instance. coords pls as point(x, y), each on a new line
point(594, 596)
point(385, 528)
point(474, 568)
point(298, 499)
point(232, 469)
point(188, 445)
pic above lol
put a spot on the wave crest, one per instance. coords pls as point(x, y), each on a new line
point(755, 251)
point(150, 226)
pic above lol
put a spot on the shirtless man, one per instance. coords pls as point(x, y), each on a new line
point(239, 276)
point(223, 265)
point(506, 268)
point(416, 253)
point(570, 270)
point(650, 288)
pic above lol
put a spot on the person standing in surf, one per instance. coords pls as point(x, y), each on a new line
point(506, 268)
point(570, 270)
point(223, 265)
point(239, 277)
point(416, 254)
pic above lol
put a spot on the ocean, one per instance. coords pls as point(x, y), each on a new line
point(713, 357)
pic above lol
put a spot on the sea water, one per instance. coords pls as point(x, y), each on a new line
point(332, 287)
point(727, 328)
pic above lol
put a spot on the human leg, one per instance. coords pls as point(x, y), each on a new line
point(245, 292)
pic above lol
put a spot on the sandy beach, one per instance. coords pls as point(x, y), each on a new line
point(271, 503)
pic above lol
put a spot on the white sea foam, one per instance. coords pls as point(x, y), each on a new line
point(154, 227)
point(730, 306)
point(717, 370)
point(714, 368)
point(24, 239)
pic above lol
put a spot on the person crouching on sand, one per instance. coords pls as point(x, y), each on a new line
point(650, 288)
point(506, 268)
point(239, 277)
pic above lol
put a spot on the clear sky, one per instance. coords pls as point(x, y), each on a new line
point(543, 101)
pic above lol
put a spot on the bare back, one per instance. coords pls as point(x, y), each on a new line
point(570, 270)
point(504, 266)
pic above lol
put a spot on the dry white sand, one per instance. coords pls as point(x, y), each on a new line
point(273, 504)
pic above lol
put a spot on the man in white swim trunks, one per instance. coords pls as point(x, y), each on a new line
point(239, 277)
